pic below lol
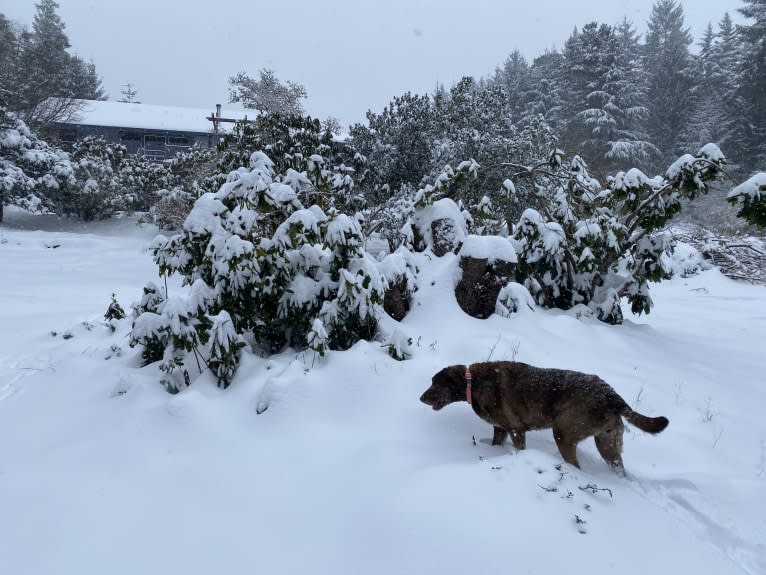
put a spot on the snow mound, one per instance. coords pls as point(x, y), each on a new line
point(490, 248)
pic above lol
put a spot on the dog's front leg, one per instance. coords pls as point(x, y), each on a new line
point(500, 436)
point(519, 439)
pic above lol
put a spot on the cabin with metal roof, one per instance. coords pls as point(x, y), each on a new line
point(157, 132)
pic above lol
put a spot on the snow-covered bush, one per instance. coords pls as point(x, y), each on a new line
point(388, 218)
point(114, 313)
point(399, 346)
point(153, 345)
point(750, 197)
point(487, 264)
point(299, 145)
point(178, 326)
point(193, 170)
point(97, 192)
point(171, 208)
point(594, 245)
point(399, 273)
point(141, 178)
point(265, 266)
point(514, 298)
point(168, 190)
point(419, 210)
point(33, 175)
point(225, 344)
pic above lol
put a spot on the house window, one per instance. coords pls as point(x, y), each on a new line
point(178, 141)
point(67, 137)
point(130, 138)
point(154, 143)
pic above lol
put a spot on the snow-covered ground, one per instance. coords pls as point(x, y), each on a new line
point(102, 471)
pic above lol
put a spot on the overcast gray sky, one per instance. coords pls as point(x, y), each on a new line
point(352, 55)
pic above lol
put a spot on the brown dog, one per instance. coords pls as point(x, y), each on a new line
point(515, 397)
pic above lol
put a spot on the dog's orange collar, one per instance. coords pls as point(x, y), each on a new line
point(468, 378)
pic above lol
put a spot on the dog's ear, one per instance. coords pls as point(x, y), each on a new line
point(455, 376)
point(448, 377)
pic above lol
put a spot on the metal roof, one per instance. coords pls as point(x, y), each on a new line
point(151, 116)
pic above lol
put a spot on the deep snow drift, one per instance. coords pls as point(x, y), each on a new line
point(102, 471)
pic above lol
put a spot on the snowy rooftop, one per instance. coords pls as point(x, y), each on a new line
point(150, 116)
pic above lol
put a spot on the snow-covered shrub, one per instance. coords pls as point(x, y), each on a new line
point(194, 169)
point(389, 218)
point(310, 159)
point(594, 245)
point(750, 197)
point(139, 179)
point(431, 204)
point(172, 208)
point(151, 341)
point(97, 192)
point(178, 326)
point(114, 313)
point(33, 174)
point(399, 274)
point(513, 298)
point(283, 273)
point(399, 346)
point(487, 264)
point(225, 344)
point(415, 136)
point(686, 260)
point(168, 190)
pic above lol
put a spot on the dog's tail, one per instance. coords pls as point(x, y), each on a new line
point(648, 424)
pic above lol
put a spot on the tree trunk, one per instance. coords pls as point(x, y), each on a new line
point(477, 291)
point(397, 300)
point(444, 238)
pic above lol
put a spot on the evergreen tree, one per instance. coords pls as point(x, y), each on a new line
point(10, 44)
point(41, 80)
point(515, 78)
point(717, 115)
point(753, 87)
point(605, 106)
point(703, 123)
point(545, 93)
point(46, 64)
point(84, 83)
point(129, 94)
point(472, 122)
point(587, 56)
point(670, 77)
point(398, 142)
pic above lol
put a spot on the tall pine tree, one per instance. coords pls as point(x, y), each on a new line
point(605, 106)
point(515, 78)
point(41, 80)
point(753, 86)
point(544, 97)
point(670, 78)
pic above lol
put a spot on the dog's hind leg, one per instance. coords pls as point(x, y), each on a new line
point(499, 436)
point(567, 447)
point(609, 445)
